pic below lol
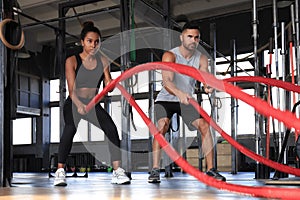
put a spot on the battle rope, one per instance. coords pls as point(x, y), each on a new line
point(285, 116)
point(263, 107)
point(269, 192)
point(237, 93)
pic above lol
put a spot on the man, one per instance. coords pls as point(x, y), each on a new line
point(173, 98)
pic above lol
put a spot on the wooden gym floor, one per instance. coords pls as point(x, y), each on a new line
point(38, 186)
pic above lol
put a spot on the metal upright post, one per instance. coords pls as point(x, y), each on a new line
point(2, 74)
point(167, 45)
point(60, 49)
point(152, 88)
point(275, 26)
point(283, 54)
point(297, 46)
point(291, 41)
point(199, 137)
point(167, 32)
point(282, 154)
point(257, 89)
point(9, 103)
point(234, 109)
point(261, 170)
point(125, 62)
point(212, 64)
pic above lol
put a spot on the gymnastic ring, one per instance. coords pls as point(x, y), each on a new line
point(7, 44)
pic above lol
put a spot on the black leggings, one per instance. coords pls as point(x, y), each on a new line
point(97, 116)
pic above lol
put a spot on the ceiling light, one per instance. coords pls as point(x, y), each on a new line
point(283, 4)
point(23, 53)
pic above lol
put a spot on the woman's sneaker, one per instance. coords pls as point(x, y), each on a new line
point(154, 176)
point(214, 173)
point(119, 177)
point(60, 177)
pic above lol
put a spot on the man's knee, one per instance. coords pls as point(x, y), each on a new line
point(202, 126)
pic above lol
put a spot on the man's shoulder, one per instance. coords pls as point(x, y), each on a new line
point(168, 56)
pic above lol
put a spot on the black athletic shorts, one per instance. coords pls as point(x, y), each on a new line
point(188, 113)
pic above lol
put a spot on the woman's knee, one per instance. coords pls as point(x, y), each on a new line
point(69, 131)
point(163, 125)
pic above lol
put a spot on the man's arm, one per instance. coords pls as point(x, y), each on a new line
point(168, 76)
point(204, 67)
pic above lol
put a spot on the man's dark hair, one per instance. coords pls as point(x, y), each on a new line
point(190, 25)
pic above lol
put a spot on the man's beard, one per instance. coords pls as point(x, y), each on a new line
point(190, 47)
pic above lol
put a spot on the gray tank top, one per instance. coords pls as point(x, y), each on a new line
point(182, 82)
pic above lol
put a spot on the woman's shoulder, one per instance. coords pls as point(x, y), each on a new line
point(104, 60)
point(71, 61)
point(72, 57)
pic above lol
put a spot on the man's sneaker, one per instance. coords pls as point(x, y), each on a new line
point(154, 176)
point(60, 177)
point(214, 173)
point(119, 177)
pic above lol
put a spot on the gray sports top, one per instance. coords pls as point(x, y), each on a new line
point(182, 82)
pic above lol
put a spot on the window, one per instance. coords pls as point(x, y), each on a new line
point(246, 113)
point(22, 131)
point(54, 90)
point(55, 123)
point(96, 133)
point(142, 131)
point(82, 132)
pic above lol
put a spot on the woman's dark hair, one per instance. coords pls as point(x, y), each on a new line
point(88, 26)
point(191, 25)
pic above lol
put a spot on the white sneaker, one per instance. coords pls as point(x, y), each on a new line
point(60, 177)
point(119, 177)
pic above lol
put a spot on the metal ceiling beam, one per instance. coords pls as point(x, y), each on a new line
point(25, 4)
point(45, 22)
point(148, 13)
point(72, 4)
point(152, 15)
point(42, 22)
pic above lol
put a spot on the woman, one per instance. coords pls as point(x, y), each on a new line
point(84, 73)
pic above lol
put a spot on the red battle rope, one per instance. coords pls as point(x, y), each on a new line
point(270, 192)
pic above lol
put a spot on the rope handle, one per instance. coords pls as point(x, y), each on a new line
point(5, 42)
